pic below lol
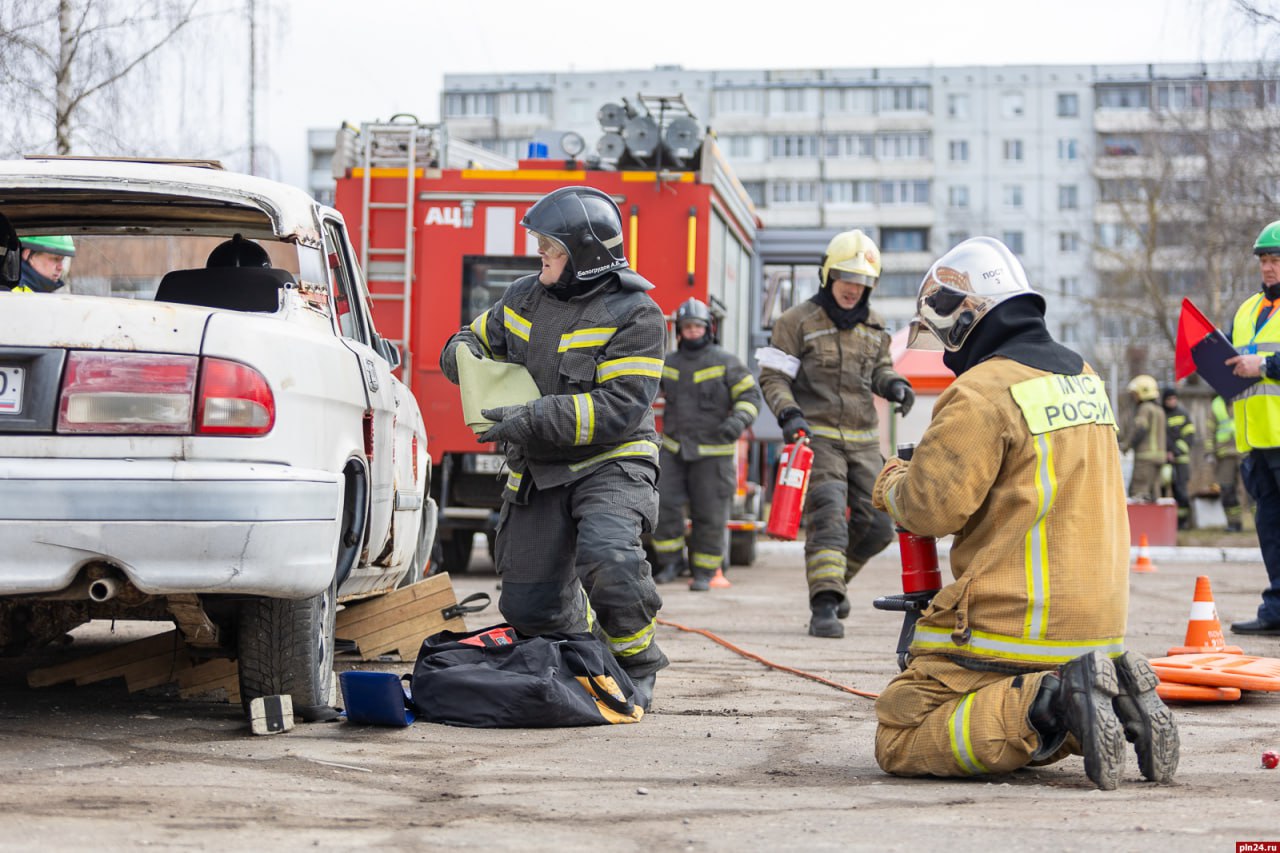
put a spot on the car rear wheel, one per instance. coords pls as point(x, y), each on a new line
point(287, 647)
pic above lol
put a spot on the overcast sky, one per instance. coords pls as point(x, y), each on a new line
point(333, 60)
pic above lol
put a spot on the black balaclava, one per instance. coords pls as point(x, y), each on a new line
point(36, 281)
point(844, 318)
point(1015, 330)
point(694, 346)
point(568, 286)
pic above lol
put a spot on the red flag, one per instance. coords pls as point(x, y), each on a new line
point(1192, 328)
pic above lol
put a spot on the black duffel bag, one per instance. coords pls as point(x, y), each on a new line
point(496, 678)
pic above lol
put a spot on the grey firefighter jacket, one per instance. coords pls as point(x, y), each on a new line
point(596, 358)
point(839, 371)
point(704, 389)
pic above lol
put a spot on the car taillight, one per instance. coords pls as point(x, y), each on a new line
point(234, 399)
point(126, 392)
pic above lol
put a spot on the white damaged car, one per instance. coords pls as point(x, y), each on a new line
point(201, 424)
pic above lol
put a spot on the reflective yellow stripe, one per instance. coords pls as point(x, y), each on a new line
point(961, 739)
point(746, 406)
point(584, 419)
point(1036, 560)
point(826, 563)
point(516, 325)
point(987, 644)
point(706, 373)
point(479, 327)
point(670, 444)
point(513, 481)
point(716, 449)
point(668, 546)
point(638, 366)
point(1056, 402)
point(624, 647)
point(857, 436)
point(742, 385)
point(584, 338)
point(631, 448)
point(671, 373)
point(707, 561)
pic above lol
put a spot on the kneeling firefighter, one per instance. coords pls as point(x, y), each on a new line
point(710, 398)
point(827, 356)
point(1020, 462)
point(583, 456)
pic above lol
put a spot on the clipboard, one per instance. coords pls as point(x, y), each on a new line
point(489, 384)
point(1210, 356)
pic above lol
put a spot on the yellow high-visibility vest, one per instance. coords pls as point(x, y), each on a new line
point(1257, 409)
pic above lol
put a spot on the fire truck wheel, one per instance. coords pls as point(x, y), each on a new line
point(742, 547)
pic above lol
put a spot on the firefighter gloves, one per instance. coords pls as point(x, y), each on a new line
point(793, 423)
point(729, 430)
point(900, 392)
point(449, 358)
point(514, 425)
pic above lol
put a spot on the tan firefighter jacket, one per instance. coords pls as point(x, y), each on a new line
point(837, 374)
point(1148, 433)
point(1023, 467)
point(597, 358)
point(704, 390)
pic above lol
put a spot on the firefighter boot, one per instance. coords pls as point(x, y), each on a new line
point(1083, 706)
point(669, 571)
point(644, 689)
point(1148, 723)
point(823, 621)
point(842, 609)
point(701, 579)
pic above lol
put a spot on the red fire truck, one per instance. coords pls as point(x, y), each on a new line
point(440, 240)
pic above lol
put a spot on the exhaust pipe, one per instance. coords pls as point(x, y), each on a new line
point(103, 589)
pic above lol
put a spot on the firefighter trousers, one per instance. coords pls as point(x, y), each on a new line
point(836, 549)
point(1144, 483)
point(938, 718)
point(1181, 493)
point(1227, 475)
point(570, 559)
point(706, 487)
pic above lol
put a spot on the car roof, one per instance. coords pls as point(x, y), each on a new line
point(103, 196)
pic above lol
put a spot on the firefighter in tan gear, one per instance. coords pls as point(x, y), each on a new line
point(1146, 438)
point(827, 357)
point(1226, 464)
point(1180, 440)
point(1020, 463)
point(710, 398)
point(583, 457)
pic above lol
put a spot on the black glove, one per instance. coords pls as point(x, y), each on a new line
point(514, 424)
point(449, 357)
point(793, 423)
point(900, 392)
point(730, 429)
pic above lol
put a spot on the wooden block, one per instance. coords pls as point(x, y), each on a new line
point(269, 715)
point(123, 654)
point(400, 620)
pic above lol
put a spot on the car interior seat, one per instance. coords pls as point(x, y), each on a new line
point(233, 288)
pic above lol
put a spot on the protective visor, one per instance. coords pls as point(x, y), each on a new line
point(550, 245)
point(922, 337)
point(854, 278)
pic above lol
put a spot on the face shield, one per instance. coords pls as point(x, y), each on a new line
point(549, 245)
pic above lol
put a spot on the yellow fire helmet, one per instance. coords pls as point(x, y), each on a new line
point(851, 256)
point(1144, 387)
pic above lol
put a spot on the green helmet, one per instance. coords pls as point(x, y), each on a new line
point(1268, 242)
point(52, 245)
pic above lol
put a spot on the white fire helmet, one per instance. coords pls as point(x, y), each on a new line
point(960, 289)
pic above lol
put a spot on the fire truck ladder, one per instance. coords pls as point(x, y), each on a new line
point(393, 145)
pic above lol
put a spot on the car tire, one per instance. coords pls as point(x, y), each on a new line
point(425, 552)
point(457, 551)
point(742, 547)
point(286, 646)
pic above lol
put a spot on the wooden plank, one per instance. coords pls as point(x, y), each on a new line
point(115, 656)
point(145, 664)
point(369, 621)
point(435, 591)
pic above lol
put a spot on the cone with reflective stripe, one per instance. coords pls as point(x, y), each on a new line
point(1143, 563)
point(1204, 631)
point(719, 581)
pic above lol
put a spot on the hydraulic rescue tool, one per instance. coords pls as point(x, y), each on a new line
point(788, 493)
point(921, 578)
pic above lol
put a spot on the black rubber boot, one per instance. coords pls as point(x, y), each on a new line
point(842, 609)
point(668, 572)
point(1044, 718)
point(644, 689)
point(1084, 706)
point(701, 580)
point(823, 621)
point(1148, 722)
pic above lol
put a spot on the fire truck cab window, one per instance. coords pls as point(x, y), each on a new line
point(347, 303)
point(786, 285)
point(487, 277)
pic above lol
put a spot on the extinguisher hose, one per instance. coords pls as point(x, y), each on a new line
point(755, 657)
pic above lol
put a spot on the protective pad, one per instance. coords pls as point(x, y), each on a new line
point(489, 384)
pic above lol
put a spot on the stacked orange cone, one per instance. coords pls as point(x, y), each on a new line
point(1143, 563)
point(1204, 631)
point(720, 581)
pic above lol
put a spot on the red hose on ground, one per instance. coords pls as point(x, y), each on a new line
point(755, 657)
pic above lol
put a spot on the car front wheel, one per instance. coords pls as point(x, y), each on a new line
point(287, 647)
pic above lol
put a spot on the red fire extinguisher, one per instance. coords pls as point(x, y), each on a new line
point(788, 492)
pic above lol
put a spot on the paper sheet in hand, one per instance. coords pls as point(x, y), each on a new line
point(1210, 356)
point(488, 384)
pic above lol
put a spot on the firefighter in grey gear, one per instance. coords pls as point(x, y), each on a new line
point(827, 357)
point(583, 457)
point(710, 399)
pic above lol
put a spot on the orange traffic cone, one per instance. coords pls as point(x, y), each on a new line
point(1143, 563)
point(1204, 631)
point(720, 581)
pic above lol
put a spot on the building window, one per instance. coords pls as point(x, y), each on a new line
point(904, 192)
point(904, 240)
point(854, 101)
point(1013, 196)
point(1068, 197)
point(1124, 97)
point(903, 146)
point(794, 192)
point(740, 101)
point(1121, 146)
point(1014, 240)
point(1068, 149)
point(955, 238)
point(1069, 286)
point(1175, 97)
point(958, 105)
point(802, 145)
point(465, 105)
point(1068, 104)
point(1012, 104)
point(528, 103)
point(958, 197)
point(1013, 149)
point(958, 150)
point(742, 147)
point(904, 99)
point(1068, 241)
point(900, 284)
point(755, 191)
point(851, 145)
point(850, 192)
point(795, 100)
